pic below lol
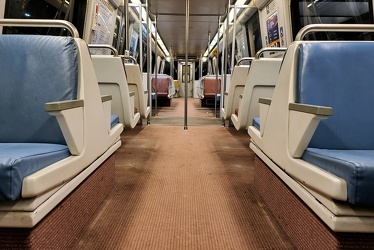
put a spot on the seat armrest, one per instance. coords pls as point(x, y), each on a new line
point(311, 109)
point(63, 105)
point(303, 121)
point(69, 115)
point(266, 101)
point(106, 98)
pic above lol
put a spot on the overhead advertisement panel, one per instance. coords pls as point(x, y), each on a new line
point(272, 31)
point(103, 24)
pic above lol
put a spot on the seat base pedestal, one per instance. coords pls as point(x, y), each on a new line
point(61, 227)
point(302, 226)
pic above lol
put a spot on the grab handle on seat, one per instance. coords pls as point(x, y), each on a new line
point(103, 46)
point(269, 49)
point(333, 27)
point(41, 23)
point(130, 58)
point(244, 59)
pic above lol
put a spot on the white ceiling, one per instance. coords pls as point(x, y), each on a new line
point(171, 23)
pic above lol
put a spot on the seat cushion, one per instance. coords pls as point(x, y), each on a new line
point(34, 70)
point(18, 160)
point(256, 122)
point(114, 120)
point(356, 167)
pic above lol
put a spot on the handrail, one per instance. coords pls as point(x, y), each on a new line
point(333, 27)
point(103, 46)
point(249, 59)
point(269, 49)
point(130, 58)
point(41, 23)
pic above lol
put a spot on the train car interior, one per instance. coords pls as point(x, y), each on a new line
point(194, 124)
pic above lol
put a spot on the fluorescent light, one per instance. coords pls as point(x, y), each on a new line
point(222, 28)
point(151, 26)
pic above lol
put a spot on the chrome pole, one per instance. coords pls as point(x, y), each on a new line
point(156, 66)
point(186, 64)
point(209, 63)
point(149, 63)
point(226, 47)
point(141, 40)
point(216, 66)
point(127, 42)
point(233, 42)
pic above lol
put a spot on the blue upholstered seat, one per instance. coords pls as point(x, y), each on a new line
point(34, 70)
point(256, 122)
point(340, 75)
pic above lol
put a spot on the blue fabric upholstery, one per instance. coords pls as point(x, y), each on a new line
point(18, 160)
point(256, 122)
point(114, 120)
point(356, 167)
point(35, 70)
point(340, 75)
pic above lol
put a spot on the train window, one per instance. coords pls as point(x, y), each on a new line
point(166, 68)
point(48, 9)
point(116, 32)
point(304, 12)
point(31, 9)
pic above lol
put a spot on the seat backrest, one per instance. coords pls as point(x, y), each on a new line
point(134, 81)
point(209, 84)
point(163, 84)
point(339, 75)
point(260, 83)
point(34, 70)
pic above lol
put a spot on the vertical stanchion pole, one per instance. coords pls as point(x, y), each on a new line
point(156, 66)
point(141, 40)
point(186, 64)
point(201, 67)
point(172, 66)
point(171, 63)
point(127, 44)
point(149, 63)
point(216, 66)
point(225, 60)
point(233, 42)
point(209, 63)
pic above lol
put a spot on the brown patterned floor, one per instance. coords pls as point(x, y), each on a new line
point(178, 189)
